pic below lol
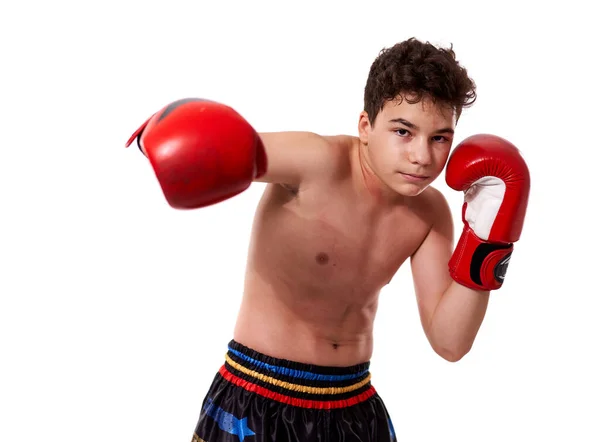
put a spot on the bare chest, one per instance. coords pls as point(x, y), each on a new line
point(330, 243)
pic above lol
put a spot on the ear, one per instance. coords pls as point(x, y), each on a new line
point(364, 127)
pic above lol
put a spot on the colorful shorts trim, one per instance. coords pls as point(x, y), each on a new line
point(255, 397)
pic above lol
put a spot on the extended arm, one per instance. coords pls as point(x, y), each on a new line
point(204, 152)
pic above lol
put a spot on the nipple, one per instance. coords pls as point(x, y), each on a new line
point(322, 258)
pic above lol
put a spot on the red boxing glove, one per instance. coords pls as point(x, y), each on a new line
point(495, 179)
point(202, 152)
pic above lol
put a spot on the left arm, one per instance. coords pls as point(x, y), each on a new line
point(453, 287)
point(451, 314)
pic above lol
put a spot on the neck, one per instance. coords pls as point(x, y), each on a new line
point(369, 182)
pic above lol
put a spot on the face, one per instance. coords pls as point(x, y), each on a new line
point(407, 147)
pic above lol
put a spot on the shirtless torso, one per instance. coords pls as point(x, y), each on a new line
point(319, 255)
point(339, 216)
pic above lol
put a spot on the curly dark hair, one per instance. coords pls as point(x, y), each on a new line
point(414, 70)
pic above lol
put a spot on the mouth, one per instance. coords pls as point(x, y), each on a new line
point(414, 177)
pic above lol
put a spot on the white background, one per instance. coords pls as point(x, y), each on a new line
point(115, 310)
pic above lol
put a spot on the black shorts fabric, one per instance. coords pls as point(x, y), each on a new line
point(257, 398)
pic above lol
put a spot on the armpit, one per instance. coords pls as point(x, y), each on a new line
point(292, 189)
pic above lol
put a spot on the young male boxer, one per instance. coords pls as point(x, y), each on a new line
point(338, 218)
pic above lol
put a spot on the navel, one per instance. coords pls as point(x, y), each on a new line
point(322, 258)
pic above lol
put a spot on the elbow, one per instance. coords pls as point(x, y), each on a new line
point(452, 354)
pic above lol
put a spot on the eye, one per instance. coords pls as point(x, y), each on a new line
point(402, 132)
point(440, 139)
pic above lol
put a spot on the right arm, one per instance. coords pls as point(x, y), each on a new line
point(297, 157)
point(204, 152)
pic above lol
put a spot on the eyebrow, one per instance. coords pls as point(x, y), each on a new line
point(407, 123)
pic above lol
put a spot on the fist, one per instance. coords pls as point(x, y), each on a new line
point(495, 180)
point(202, 152)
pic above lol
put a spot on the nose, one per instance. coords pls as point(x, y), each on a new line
point(420, 152)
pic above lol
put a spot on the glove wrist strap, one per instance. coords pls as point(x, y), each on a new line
point(479, 264)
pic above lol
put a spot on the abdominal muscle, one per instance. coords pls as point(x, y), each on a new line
point(308, 327)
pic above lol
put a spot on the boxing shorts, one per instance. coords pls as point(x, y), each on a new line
point(258, 398)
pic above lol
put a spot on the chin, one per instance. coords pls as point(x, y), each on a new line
point(407, 188)
point(411, 189)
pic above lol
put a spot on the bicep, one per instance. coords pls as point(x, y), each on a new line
point(429, 264)
point(293, 157)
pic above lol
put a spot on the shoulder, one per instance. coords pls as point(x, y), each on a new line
point(331, 150)
point(339, 153)
point(435, 208)
point(434, 199)
point(439, 239)
point(339, 145)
